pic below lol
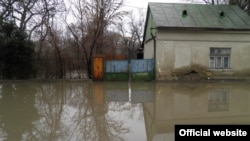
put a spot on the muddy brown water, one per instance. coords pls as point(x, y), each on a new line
point(113, 111)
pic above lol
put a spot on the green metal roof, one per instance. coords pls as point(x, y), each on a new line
point(199, 16)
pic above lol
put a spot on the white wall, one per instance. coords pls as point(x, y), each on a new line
point(149, 50)
point(181, 49)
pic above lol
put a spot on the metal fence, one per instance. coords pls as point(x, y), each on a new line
point(138, 70)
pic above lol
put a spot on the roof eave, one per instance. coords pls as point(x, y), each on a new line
point(203, 28)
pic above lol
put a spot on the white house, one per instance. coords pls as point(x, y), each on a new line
point(196, 41)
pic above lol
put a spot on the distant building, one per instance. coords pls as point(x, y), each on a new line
point(196, 41)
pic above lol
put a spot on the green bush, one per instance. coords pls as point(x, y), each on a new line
point(16, 52)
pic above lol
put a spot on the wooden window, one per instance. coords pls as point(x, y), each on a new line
point(220, 58)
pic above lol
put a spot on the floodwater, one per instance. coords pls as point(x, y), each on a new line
point(113, 111)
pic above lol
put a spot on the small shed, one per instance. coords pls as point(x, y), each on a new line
point(197, 41)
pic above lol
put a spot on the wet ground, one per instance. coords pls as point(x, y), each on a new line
point(113, 111)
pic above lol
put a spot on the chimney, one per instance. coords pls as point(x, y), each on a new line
point(184, 13)
point(222, 13)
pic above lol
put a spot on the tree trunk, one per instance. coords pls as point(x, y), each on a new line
point(89, 68)
point(57, 53)
point(60, 63)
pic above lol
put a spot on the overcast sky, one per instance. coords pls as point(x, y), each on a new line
point(141, 5)
point(144, 3)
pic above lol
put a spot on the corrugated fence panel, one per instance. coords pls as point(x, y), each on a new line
point(142, 70)
point(145, 65)
point(116, 66)
point(116, 70)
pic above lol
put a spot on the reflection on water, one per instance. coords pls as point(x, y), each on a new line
point(113, 111)
point(15, 101)
point(218, 100)
point(212, 103)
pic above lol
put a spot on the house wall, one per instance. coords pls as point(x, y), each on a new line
point(180, 51)
point(149, 50)
point(150, 26)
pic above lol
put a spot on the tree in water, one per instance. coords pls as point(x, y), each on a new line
point(93, 18)
point(16, 52)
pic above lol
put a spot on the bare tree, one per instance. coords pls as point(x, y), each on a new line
point(54, 38)
point(6, 9)
point(132, 35)
point(243, 4)
point(93, 18)
point(216, 2)
point(28, 14)
point(49, 58)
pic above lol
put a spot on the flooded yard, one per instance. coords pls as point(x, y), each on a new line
point(113, 111)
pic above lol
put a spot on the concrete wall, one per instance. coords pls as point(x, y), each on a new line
point(183, 50)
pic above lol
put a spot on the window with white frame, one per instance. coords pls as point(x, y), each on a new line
point(220, 58)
